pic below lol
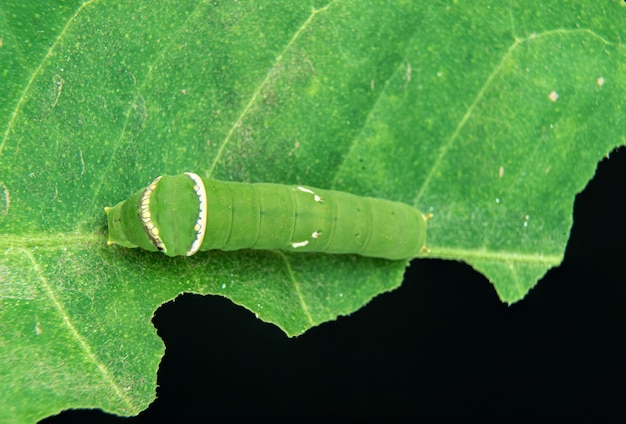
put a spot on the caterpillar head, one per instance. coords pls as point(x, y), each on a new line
point(168, 216)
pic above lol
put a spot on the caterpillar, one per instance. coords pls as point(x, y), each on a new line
point(184, 214)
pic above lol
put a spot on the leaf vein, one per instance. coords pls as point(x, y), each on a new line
point(401, 66)
point(106, 375)
point(138, 100)
point(263, 84)
point(296, 286)
point(42, 240)
point(517, 42)
point(484, 254)
point(35, 74)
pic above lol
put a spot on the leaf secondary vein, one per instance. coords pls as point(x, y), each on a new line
point(47, 241)
point(296, 287)
point(503, 256)
point(479, 96)
point(37, 71)
point(262, 85)
point(138, 96)
point(401, 67)
point(106, 375)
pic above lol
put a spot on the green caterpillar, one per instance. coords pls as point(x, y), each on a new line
point(181, 214)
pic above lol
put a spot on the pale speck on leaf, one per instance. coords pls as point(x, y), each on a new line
point(553, 96)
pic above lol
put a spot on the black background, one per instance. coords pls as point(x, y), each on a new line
point(440, 348)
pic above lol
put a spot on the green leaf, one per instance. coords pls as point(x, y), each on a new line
point(490, 115)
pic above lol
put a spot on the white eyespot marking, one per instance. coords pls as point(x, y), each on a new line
point(200, 226)
point(146, 220)
point(316, 197)
point(295, 245)
point(316, 234)
point(553, 96)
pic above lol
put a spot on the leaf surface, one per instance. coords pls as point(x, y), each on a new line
point(491, 116)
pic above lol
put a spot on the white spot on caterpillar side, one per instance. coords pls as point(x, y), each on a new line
point(316, 234)
point(600, 81)
point(295, 245)
point(146, 220)
point(316, 197)
point(200, 226)
point(501, 172)
point(306, 190)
